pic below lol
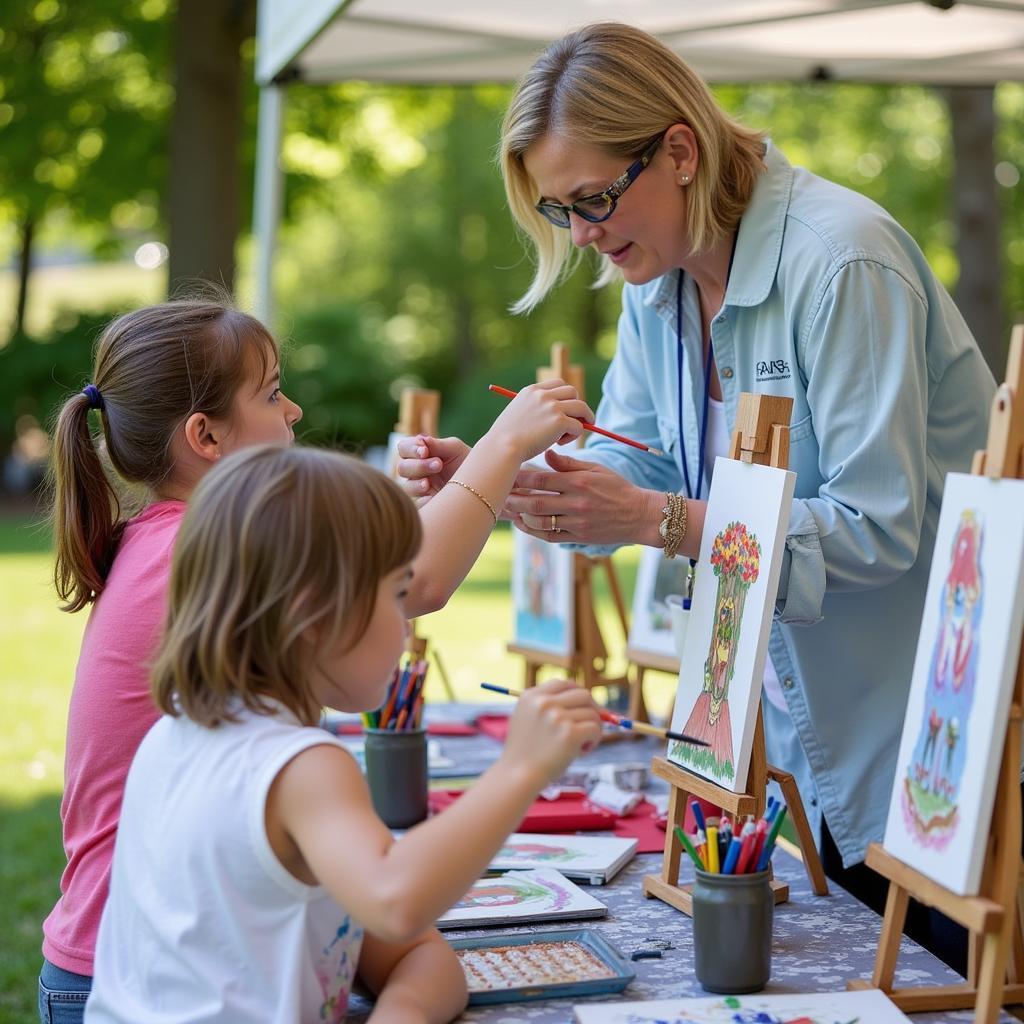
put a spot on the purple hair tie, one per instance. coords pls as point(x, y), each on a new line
point(95, 398)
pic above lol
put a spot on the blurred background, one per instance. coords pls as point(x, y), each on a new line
point(396, 263)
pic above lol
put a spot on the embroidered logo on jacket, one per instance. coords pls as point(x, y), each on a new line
point(773, 369)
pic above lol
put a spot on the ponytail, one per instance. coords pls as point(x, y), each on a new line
point(153, 368)
point(86, 509)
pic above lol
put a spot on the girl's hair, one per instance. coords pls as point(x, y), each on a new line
point(153, 368)
point(617, 87)
point(276, 542)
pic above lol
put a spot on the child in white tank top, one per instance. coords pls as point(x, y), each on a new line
point(252, 880)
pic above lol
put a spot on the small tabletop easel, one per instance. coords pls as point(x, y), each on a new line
point(995, 957)
point(418, 412)
point(761, 436)
point(587, 661)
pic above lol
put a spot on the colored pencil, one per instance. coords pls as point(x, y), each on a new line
point(713, 849)
point(688, 846)
point(497, 389)
point(769, 843)
point(614, 719)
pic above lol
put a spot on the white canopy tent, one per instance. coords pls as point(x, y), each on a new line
point(943, 42)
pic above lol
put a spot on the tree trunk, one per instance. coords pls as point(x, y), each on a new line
point(28, 230)
point(979, 290)
point(204, 191)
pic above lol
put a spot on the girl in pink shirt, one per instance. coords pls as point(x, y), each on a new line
point(175, 387)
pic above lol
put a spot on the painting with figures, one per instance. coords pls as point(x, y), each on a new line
point(962, 683)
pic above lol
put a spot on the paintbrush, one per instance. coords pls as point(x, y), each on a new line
point(619, 720)
point(499, 390)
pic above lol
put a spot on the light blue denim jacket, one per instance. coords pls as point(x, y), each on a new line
point(831, 303)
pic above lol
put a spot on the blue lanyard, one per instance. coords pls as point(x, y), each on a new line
point(702, 436)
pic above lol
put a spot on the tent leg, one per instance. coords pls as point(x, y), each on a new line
point(267, 197)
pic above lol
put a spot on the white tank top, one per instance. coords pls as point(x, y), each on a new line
point(718, 442)
point(203, 922)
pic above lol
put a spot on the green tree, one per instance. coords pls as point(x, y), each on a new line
point(83, 97)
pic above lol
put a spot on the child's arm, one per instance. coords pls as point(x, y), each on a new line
point(320, 802)
point(418, 982)
point(457, 522)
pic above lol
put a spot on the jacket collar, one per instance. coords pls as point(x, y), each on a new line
point(759, 245)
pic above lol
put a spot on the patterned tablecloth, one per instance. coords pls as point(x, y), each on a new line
point(819, 942)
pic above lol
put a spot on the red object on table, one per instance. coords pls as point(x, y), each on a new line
point(495, 726)
point(433, 729)
point(570, 812)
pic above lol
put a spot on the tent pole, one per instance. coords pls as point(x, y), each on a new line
point(267, 197)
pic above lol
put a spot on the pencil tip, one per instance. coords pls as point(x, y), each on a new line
point(655, 451)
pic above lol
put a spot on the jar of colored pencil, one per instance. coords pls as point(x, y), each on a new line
point(732, 931)
point(396, 772)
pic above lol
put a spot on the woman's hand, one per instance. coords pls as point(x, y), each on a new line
point(428, 463)
point(591, 504)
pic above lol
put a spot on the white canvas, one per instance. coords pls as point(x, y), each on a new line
point(651, 626)
point(595, 859)
point(521, 896)
point(868, 1007)
point(962, 683)
point(730, 619)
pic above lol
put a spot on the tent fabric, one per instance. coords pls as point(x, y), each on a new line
point(973, 42)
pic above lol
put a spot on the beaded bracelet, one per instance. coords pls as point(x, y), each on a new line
point(473, 490)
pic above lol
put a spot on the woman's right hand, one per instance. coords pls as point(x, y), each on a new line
point(552, 724)
point(428, 463)
point(541, 415)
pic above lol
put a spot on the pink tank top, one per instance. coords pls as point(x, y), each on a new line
point(111, 710)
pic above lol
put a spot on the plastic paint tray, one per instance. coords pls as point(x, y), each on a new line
point(596, 950)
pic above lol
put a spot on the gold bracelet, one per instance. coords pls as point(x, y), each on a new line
point(673, 526)
point(473, 490)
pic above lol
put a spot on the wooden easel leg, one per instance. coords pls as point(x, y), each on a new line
point(991, 976)
point(797, 815)
point(889, 941)
point(530, 673)
point(673, 849)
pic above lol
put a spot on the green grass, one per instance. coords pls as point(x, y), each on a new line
point(40, 647)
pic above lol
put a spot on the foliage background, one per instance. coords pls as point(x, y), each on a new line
point(397, 263)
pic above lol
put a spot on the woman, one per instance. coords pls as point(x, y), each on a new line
point(743, 273)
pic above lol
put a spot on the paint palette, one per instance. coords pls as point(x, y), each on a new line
point(517, 966)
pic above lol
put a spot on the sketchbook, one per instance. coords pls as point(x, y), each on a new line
point(593, 859)
point(792, 1008)
point(519, 897)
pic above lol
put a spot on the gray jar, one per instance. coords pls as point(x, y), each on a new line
point(396, 771)
point(732, 931)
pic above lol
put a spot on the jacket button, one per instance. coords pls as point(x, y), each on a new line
point(788, 682)
point(727, 372)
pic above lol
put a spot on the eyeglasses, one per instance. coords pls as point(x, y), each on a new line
point(601, 205)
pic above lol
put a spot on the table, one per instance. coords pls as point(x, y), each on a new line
point(819, 942)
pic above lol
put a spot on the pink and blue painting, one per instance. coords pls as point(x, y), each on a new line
point(967, 652)
point(931, 787)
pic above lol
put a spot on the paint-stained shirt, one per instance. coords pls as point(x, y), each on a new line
point(831, 303)
point(203, 922)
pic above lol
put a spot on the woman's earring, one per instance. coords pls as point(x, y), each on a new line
point(684, 180)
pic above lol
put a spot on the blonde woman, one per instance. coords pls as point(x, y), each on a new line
point(744, 273)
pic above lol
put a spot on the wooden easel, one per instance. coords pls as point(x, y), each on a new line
point(587, 661)
point(418, 412)
point(761, 436)
point(995, 958)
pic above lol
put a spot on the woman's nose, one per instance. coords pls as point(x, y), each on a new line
point(583, 231)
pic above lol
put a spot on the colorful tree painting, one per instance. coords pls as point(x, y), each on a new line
point(736, 562)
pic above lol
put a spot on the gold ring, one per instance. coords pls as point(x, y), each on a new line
point(554, 528)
